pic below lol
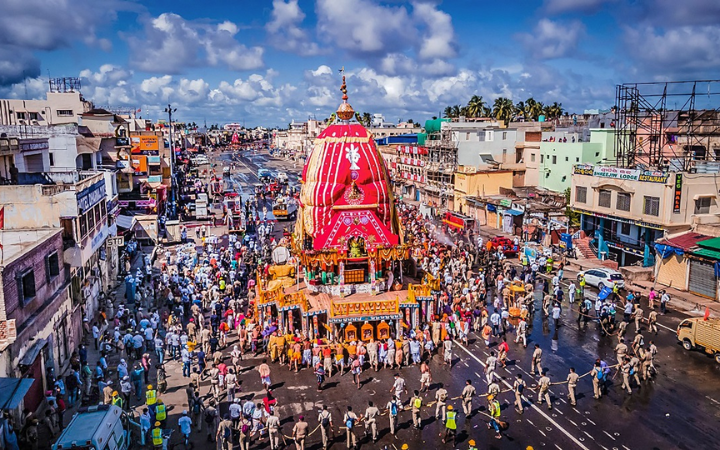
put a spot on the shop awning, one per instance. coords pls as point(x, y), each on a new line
point(707, 253)
point(513, 212)
point(667, 250)
point(12, 391)
point(127, 222)
point(29, 358)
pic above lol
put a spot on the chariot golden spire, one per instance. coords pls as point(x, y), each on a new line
point(345, 111)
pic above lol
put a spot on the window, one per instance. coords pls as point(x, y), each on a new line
point(52, 265)
point(577, 160)
point(26, 286)
point(554, 159)
point(622, 203)
point(64, 112)
point(532, 157)
point(83, 226)
point(542, 158)
point(581, 194)
point(21, 115)
point(625, 228)
point(702, 205)
point(504, 135)
point(467, 136)
point(651, 206)
point(34, 116)
point(567, 159)
point(504, 154)
point(52, 159)
point(604, 198)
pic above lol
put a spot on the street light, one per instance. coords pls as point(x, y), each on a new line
point(173, 208)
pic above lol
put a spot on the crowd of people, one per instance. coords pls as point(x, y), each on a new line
point(194, 307)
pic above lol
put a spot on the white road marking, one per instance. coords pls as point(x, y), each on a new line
point(591, 421)
point(573, 423)
point(625, 448)
point(589, 435)
point(558, 447)
point(542, 413)
point(609, 435)
point(298, 388)
point(712, 400)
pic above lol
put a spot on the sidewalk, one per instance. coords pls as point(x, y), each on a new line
point(687, 302)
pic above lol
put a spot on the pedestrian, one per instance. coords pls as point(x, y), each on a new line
point(273, 425)
point(572, 380)
point(350, 420)
point(300, 432)
point(625, 369)
point(224, 433)
point(490, 365)
point(664, 300)
point(326, 425)
point(518, 388)
point(652, 322)
point(450, 425)
point(544, 390)
point(370, 419)
point(494, 413)
point(440, 402)
point(211, 420)
point(536, 360)
point(264, 371)
point(466, 396)
point(393, 408)
point(416, 404)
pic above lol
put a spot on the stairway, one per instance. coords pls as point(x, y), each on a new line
point(583, 248)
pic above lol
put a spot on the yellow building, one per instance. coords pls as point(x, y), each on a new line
point(479, 184)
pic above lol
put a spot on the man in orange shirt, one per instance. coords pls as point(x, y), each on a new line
point(327, 360)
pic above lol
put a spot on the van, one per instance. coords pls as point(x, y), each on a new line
point(100, 427)
point(705, 334)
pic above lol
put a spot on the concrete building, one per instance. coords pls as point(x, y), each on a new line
point(627, 210)
point(56, 109)
point(41, 323)
point(299, 137)
point(469, 182)
point(550, 165)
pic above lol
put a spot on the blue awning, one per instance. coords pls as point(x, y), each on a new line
point(491, 207)
point(513, 212)
point(666, 251)
point(12, 391)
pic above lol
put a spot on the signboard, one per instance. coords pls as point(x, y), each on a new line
point(616, 172)
point(677, 198)
point(154, 160)
point(87, 198)
point(619, 173)
point(155, 179)
point(139, 164)
point(639, 223)
point(506, 202)
point(145, 145)
point(33, 145)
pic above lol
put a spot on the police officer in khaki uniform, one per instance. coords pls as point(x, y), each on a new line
point(638, 318)
point(572, 380)
point(371, 414)
point(536, 360)
point(518, 388)
point(621, 350)
point(544, 390)
point(440, 402)
point(652, 322)
point(467, 395)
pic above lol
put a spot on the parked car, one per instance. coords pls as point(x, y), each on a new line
point(603, 277)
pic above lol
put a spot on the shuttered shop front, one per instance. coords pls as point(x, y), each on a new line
point(673, 271)
point(702, 278)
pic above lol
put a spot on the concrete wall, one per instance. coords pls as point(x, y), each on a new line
point(480, 184)
point(47, 109)
point(36, 206)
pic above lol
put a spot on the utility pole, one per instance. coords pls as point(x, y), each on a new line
point(173, 197)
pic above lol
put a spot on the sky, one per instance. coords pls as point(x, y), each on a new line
point(267, 62)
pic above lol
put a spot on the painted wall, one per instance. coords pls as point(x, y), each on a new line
point(480, 184)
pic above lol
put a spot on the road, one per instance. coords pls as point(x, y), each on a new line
point(678, 409)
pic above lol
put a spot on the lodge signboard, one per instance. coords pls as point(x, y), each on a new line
point(620, 173)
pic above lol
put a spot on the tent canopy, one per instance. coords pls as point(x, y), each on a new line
point(12, 391)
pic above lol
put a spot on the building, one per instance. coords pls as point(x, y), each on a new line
point(469, 182)
point(550, 165)
point(627, 210)
point(60, 106)
point(298, 137)
point(40, 322)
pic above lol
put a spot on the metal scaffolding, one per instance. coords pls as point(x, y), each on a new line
point(667, 125)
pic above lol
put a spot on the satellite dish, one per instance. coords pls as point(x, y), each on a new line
point(280, 255)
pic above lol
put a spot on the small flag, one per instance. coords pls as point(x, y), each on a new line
point(2, 217)
point(707, 313)
point(138, 110)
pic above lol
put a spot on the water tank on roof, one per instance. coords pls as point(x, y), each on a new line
point(541, 118)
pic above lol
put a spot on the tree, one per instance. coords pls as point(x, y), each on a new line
point(503, 109)
point(519, 109)
point(456, 111)
point(476, 107)
point(448, 112)
point(367, 119)
point(533, 109)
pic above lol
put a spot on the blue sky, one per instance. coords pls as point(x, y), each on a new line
point(267, 62)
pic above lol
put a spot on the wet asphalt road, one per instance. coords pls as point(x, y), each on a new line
point(678, 409)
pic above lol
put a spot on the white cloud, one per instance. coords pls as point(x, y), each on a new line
point(552, 39)
point(674, 50)
point(438, 39)
point(171, 44)
point(285, 32)
point(586, 6)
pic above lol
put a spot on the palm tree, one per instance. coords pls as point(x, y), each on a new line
point(456, 111)
point(448, 112)
point(367, 119)
point(519, 109)
point(533, 109)
point(476, 106)
point(503, 109)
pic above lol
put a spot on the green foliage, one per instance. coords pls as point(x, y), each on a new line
point(572, 216)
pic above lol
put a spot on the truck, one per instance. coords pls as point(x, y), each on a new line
point(201, 206)
point(284, 209)
point(699, 333)
point(99, 427)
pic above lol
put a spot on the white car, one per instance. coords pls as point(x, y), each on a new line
point(200, 160)
point(603, 277)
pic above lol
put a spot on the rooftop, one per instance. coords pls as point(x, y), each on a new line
point(18, 242)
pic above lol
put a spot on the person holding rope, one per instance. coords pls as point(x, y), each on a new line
point(370, 419)
point(350, 420)
point(326, 425)
point(572, 380)
point(467, 395)
point(300, 432)
point(494, 413)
